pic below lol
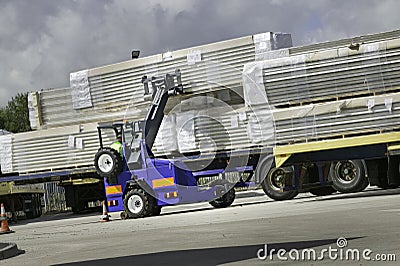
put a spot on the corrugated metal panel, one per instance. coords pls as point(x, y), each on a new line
point(57, 111)
point(338, 73)
point(117, 92)
point(50, 149)
point(298, 79)
point(346, 42)
point(216, 129)
point(338, 119)
point(115, 87)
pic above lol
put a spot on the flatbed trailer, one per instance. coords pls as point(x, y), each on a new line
point(21, 198)
point(23, 194)
point(378, 152)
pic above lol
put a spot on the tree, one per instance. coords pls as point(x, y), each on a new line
point(2, 126)
point(15, 116)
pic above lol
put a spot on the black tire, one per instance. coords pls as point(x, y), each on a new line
point(348, 176)
point(227, 198)
point(272, 185)
point(365, 184)
point(123, 215)
point(266, 174)
point(138, 203)
point(108, 163)
point(322, 191)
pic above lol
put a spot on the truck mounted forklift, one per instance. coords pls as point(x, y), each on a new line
point(139, 184)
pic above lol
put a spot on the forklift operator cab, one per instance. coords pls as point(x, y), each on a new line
point(138, 137)
point(108, 161)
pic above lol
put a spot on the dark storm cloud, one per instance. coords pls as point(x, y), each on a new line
point(41, 42)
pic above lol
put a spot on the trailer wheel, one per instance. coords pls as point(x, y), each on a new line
point(322, 191)
point(108, 162)
point(270, 179)
point(273, 183)
point(348, 176)
point(227, 198)
point(138, 203)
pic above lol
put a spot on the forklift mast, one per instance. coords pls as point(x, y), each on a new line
point(161, 88)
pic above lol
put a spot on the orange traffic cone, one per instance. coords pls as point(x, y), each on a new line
point(105, 217)
point(4, 223)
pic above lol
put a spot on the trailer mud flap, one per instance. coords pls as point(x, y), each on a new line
point(384, 172)
point(393, 170)
point(376, 170)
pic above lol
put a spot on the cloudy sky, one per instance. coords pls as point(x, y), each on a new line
point(42, 41)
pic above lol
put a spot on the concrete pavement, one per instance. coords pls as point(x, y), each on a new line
point(197, 234)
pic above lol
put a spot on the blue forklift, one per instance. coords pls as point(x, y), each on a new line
point(139, 184)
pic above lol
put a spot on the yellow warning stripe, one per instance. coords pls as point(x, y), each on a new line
point(163, 182)
point(113, 189)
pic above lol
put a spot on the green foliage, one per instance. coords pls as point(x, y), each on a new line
point(2, 126)
point(15, 116)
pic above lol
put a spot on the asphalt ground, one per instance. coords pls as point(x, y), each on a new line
point(255, 230)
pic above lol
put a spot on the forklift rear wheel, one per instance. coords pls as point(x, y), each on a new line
point(108, 162)
point(123, 215)
point(138, 203)
point(348, 176)
point(226, 199)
